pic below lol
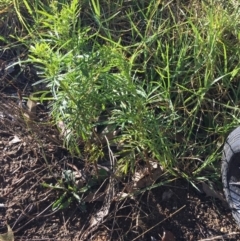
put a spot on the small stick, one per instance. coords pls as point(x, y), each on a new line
point(234, 183)
point(160, 222)
point(220, 236)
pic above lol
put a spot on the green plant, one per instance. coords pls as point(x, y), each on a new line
point(69, 192)
point(165, 74)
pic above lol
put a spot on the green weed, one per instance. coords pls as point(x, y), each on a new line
point(163, 73)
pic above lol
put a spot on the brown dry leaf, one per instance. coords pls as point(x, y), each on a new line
point(210, 192)
point(32, 105)
point(15, 140)
point(143, 178)
point(168, 236)
point(9, 236)
point(64, 131)
point(31, 111)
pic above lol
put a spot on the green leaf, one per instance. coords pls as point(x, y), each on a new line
point(84, 189)
point(58, 204)
point(57, 187)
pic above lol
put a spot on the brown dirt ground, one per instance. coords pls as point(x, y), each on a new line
point(31, 153)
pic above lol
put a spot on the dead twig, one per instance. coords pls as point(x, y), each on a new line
point(99, 217)
point(224, 236)
point(171, 215)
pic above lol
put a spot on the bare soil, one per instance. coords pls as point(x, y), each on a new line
point(31, 154)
